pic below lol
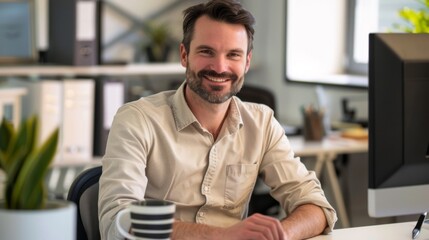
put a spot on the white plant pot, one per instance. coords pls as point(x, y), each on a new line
point(57, 221)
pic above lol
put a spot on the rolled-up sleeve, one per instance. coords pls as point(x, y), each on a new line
point(291, 183)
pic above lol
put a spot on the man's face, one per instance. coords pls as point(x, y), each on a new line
point(217, 59)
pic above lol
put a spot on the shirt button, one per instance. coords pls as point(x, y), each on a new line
point(206, 188)
point(201, 214)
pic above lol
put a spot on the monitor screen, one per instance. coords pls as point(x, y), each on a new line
point(398, 124)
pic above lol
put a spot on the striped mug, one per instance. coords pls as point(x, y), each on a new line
point(150, 219)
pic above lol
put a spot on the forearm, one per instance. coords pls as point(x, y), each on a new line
point(186, 230)
point(305, 222)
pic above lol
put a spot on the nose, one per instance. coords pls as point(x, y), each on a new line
point(219, 64)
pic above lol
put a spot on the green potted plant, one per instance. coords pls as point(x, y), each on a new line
point(159, 42)
point(25, 212)
point(417, 20)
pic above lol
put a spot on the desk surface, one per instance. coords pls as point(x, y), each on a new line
point(331, 144)
point(399, 231)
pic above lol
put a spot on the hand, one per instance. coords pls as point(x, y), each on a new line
point(257, 226)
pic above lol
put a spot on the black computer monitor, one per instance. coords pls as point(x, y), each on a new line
point(398, 124)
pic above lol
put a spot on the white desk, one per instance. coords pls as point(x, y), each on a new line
point(394, 231)
point(325, 153)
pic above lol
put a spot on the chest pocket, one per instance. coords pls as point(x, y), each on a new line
point(240, 179)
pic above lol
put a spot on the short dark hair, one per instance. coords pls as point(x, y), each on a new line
point(229, 11)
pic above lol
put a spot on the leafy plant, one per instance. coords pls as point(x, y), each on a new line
point(25, 163)
point(159, 41)
point(418, 20)
point(158, 34)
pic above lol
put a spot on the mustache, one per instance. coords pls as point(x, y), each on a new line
point(212, 73)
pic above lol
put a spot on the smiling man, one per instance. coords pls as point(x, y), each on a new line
point(203, 148)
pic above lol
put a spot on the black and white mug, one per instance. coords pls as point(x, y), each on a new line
point(150, 219)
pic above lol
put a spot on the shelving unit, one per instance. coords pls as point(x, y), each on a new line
point(63, 172)
point(102, 70)
point(68, 169)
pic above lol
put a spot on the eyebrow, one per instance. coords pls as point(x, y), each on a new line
point(238, 50)
point(203, 47)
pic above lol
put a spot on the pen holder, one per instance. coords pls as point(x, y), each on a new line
point(313, 126)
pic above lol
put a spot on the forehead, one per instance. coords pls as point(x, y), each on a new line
point(219, 34)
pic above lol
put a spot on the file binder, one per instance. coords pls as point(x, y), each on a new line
point(73, 32)
point(69, 105)
point(44, 99)
point(78, 119)
point(109, 96)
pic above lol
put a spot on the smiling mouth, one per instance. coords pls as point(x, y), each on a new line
point(217, 79)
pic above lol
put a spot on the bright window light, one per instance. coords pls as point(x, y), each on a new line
point(327, 43)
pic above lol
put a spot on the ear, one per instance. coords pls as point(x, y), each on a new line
point(183, 55)
point(248, 59)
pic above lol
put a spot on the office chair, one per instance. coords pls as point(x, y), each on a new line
point(84, 193)
point(257, 95)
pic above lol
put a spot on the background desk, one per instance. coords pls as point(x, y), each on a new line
point(394, 231)
point(325, 152)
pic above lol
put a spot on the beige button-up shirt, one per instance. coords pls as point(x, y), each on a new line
point(157, 149)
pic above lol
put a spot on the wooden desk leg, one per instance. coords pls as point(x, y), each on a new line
point(336, 189)
point(319, 165)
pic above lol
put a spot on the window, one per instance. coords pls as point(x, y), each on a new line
point(327, 41)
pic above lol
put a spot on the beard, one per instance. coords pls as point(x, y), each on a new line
point(214, 93)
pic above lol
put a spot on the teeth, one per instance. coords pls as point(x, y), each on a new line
point(216, 79)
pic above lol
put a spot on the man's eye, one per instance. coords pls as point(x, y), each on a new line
point(235, 55)
point(206, 52)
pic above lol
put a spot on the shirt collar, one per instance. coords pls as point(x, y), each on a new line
point(184, 117)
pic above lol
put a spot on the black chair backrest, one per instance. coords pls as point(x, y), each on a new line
point(84, 193)
point(257, 95)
